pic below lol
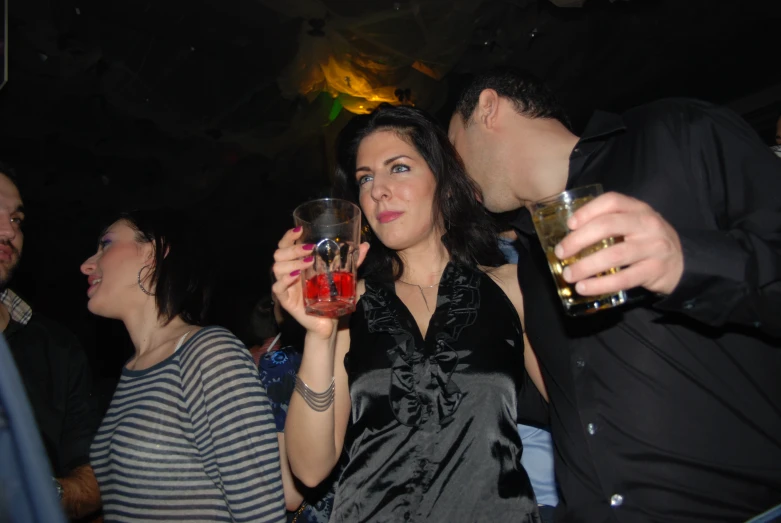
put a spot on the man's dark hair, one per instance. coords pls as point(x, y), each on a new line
point(530, 95)
point(11, 174)
point(179, 274)
point(470, 237)
point(9, 171)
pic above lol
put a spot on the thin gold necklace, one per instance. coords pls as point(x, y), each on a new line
point(420, 288)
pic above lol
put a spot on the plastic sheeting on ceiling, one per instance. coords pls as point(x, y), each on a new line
point(363, 56)
point(366, 53)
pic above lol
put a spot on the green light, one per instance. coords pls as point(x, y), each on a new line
point(336, 108)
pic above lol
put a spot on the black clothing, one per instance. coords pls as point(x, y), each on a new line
point(56, 376)
point(670, 409)
point(433, 432)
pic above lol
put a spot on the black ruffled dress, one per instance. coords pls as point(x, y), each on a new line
point(432, 435)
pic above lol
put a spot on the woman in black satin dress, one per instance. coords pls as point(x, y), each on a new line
point(431, 373)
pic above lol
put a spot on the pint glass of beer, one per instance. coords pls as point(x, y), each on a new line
point(550, 221)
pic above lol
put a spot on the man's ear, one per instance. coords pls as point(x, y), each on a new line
point(488, 108)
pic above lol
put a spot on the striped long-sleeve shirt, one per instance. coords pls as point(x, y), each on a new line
point(191, 439)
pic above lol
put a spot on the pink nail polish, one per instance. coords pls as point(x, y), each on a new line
point(309, 246)
point(295, 272)
point(297, 229)
point(308, 259)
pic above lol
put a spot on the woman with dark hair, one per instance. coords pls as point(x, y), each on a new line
point(189, 434)
point(424, 389)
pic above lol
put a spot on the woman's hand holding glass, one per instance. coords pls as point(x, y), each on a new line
point(290, 259)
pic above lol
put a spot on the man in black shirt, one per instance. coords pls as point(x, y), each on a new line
point(669, 408)
point(53, 369)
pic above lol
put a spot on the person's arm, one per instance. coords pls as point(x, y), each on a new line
point(727, 273)
point(533, 367)
point(533, 397)
point(314, 439)
point(314, 436)
point(506, 277)
point(81, 495)
point(233, 425)
point(80, 492)
point(733, 274)
point(293, 498)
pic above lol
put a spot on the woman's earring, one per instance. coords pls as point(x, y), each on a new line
point(141, 285)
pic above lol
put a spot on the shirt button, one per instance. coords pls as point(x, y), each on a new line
point(406, 516)
point(580, 363)
point(757, 324)
point(616, 500)
point(591, 428)
point(689, 304)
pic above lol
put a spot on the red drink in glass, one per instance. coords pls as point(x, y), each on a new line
point(332, 227)
point(318, 298)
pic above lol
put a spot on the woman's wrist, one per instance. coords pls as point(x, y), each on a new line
point(317, 338)
point(317, 364)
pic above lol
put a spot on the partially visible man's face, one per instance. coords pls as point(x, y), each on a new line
point(11, 235)
point(485, 163)
point(778, 131)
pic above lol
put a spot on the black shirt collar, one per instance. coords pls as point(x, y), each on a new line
point(601, 125)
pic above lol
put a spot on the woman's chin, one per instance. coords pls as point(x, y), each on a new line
point(93, 305)
point(394, 245)
point(395, 240)
point(398, 242)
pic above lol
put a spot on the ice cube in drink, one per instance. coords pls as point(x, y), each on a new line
point(323, 299)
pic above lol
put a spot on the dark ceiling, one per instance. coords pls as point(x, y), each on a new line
point(128, 103)
point(147, 96)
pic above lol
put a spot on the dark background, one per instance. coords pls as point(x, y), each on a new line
point(118, 104)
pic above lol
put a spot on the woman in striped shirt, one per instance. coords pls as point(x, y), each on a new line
point(189, 435)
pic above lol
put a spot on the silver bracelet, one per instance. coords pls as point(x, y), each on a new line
point(317, 401)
